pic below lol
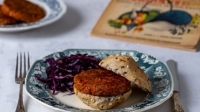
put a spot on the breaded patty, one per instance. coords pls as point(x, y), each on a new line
point(101, 82)
point(6, 20)
point(22, 10)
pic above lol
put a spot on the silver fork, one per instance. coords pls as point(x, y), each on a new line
point(20, 77)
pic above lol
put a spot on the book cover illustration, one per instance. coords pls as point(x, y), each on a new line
point(183, 21)
point(170, 22)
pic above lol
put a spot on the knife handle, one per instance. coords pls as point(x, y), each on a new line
point(176, 102)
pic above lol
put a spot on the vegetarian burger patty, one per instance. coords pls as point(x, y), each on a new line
point(5, 20)
point(101, 82)
point(23, 10)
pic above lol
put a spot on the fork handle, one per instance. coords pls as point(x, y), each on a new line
point(176, 102)
point(20, 105)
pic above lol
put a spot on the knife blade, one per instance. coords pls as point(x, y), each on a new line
point(172, 65)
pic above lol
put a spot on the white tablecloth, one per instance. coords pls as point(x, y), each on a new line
point(72, 31)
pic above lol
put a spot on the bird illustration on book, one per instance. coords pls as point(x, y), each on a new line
point(135, 19)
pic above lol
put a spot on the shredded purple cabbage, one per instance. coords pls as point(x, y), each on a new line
point(61, 72)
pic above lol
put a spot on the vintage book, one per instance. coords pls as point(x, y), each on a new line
point(166, 23)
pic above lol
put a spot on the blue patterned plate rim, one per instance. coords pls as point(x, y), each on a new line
point(157, 71)
point(54, 9)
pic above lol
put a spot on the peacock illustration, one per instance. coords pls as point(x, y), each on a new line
point(135, 19)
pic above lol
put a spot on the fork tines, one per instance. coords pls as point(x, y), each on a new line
point(22, 63)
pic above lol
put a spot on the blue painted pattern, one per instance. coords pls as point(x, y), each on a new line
point(156, 70)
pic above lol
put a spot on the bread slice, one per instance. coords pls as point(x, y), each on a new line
point(99, 102)
point(127, 67)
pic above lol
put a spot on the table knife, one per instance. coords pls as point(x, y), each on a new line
point(175, 97)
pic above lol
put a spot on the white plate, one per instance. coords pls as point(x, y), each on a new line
point(157, 71)
point(54, 9)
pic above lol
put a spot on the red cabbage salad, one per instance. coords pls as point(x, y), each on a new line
point(60, 72)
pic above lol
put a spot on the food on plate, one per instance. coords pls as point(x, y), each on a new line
point(100, 84)
point(6, 20)
point(108, 87)
point(101, 89)
point(128, 68)
point(22, 10)
point(60, 72)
